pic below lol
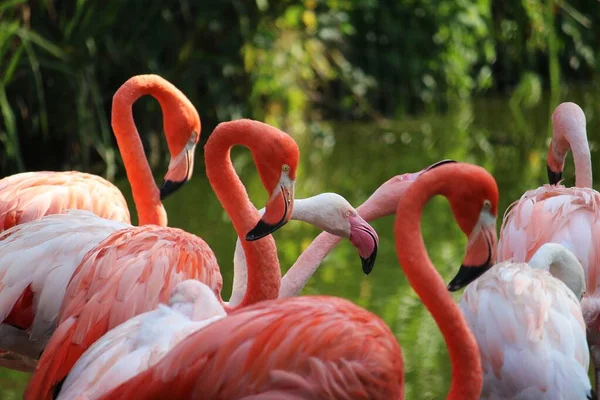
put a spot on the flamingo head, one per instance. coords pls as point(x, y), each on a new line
point(181, 123)
point(566, 119)
point(277, 164)
point(384, 201)
point(474, 203)
point(332, 213)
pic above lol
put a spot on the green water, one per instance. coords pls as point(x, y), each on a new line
point(353, 159)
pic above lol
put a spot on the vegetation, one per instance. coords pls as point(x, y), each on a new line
point(290, 63)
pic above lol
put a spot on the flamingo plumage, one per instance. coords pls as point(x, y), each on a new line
point(135, 269)
point(557, 214)
point(328, 211)
point(39, 255)
point(29, 196)
point(324, 347)
point(528, 323)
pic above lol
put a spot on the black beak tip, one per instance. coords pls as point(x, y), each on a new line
point(369, 262)
point(169, 187)
point(553, 177)
point(263, 229)
point(466, 275)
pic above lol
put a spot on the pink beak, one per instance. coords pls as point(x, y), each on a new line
point(365, 239)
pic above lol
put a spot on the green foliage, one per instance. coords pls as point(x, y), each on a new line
point(286, 62)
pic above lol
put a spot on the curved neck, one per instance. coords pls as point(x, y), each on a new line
point(428, 284)
point(583, 163)
point(571, 134)
point(146, 194)
point(264, 274)
point(562, 264)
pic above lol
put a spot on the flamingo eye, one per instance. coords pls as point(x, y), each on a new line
point(399, 177)
point(285, 168)
point(487, 204)
point(347, 214)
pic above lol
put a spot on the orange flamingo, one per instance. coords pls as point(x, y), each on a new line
point(135, 269)
point(31, 195)
point(320, 347)
point(37, 258)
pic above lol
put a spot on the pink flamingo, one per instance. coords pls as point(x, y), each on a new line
point(135, 269)
point(31, 195)
point(568, 216)
point(38, 256)
point(319, 346)
point(529, 327)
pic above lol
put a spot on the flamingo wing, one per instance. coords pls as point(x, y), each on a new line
point(129, 273)
point(31, 195)
point(307, 347)
point(37, 260)
point(568, 216)
point(530, 332)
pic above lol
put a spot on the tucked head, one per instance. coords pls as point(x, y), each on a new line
point(332, 213)
point(195, 300)
point(384, 201)
point(473, 196)
point(277, 162)
point(568, 124)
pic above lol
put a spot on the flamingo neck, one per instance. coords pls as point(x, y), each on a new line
point(562, 264)
point(146, 195)
point(573, 136)
point(263, 271)
point(428, 284)
point(583, 162)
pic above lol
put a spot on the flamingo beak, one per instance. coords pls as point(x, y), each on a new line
point(554, 165)
point(180, 170)
point(553, 177)
point(480, 254)
point(278, 210)
point(365, 239)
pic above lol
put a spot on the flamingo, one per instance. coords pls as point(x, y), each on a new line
point(136, 268)
point(38, 256)
point(529, 327)
point(317, 347)
point(29, 196)
point(568, 216)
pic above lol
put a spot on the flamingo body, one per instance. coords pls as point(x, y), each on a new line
point(127, 274)
point(556, 214)
point(530, 332)
point(314, 347)
point(141, 342)
point(31, 195)
point(37, 260)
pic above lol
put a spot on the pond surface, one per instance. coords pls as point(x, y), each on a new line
point(353, 159)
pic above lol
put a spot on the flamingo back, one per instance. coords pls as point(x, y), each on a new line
point(568, 216)
point(130, 349)
point(129, 273)
point(530, 332)
point(31, 195)
point(314, 347)
point(37, 260)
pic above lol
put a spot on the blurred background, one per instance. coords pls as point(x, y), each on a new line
point(368, 88)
